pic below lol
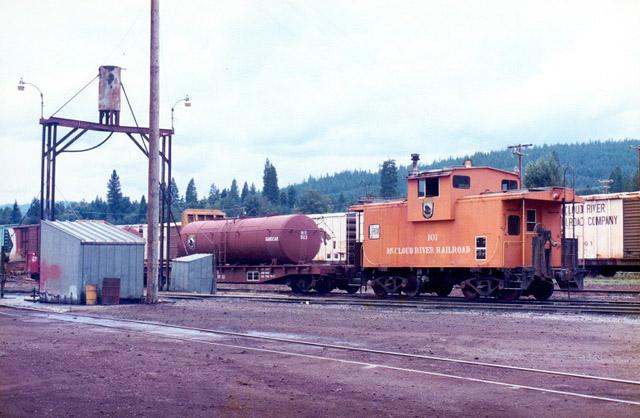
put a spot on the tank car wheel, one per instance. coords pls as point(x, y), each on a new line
point(412, 287)
point(301, 284)
point(468, 289)
point(324, 285)
point(543, 290)
point(378, 289)
point(510, 294)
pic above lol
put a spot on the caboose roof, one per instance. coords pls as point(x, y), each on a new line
point(447, 171)
point(539, 193)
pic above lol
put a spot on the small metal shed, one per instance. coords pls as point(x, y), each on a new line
point(79, 253)
point(193, 273)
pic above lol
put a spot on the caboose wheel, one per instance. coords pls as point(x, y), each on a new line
point(352, 289)
point(543, 290)
point(378, 289)
point(443, 289)
point(469, 290)
point(412, 287)
point(510, 294)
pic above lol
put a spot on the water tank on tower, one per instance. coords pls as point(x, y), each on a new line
point(109, 95)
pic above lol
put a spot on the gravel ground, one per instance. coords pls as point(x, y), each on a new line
point(52, 368)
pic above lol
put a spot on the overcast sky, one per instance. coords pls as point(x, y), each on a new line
point(315, 86)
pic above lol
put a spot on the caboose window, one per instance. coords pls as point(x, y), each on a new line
point(481, 248)
point(531, 220)
point(509, 185)
point(253, 276)
point(429, 187)
point(513, 225)
point(461, 182)
point(374, 231)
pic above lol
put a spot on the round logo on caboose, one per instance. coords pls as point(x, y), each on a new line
point(191, 241)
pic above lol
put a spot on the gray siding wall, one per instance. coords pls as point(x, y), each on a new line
point(60, 269)
point(193, 273)
point(123, 261)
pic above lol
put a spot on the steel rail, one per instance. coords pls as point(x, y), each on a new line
point(532, 306)
point(352, 362)
point(341, 347)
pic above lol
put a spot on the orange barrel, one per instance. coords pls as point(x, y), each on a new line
point(92, 294)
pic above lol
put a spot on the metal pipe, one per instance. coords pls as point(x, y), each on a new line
point(44, 128)
point(53, 173)
point(169, 215)
point(162, 208)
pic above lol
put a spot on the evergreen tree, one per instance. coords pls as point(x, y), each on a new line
point(16, 214)
point(176, 200)
point(388, 179)
point(312, 201)
point(284, 201)
point(245, 192)
point(114, 197)
point(617, 180)
point(191, 195)
point(33, 213)
point(99, 208)
point(233, 192)
point(544, 172)
point(142, 210)
point(252, 189)
point(214, 196)
point(5, 215)
point(632, 183)
point(292, 196)
point(270, 183)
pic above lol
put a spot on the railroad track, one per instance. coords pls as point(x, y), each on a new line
point(551, 382)
point(451, 303)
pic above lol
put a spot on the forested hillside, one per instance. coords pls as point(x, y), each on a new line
point(592, 161)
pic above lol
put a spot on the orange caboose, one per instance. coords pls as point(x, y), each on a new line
point(468, 226)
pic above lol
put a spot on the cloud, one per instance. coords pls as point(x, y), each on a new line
point(318, 87)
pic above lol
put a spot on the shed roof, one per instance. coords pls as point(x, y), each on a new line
point(96, 232)
point(192, 257)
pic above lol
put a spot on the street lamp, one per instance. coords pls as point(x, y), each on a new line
point(187, 103)
point(23, 83)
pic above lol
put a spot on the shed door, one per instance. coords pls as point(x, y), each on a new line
point(631, 213)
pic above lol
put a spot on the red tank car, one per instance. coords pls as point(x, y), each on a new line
point(274, 249)
point(278, 239)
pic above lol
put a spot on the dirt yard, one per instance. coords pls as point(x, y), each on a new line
point(54, 368)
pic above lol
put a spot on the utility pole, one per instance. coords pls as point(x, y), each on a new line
point(153, 212)
point(605, 184)
point(519, 153)
point(638, 148)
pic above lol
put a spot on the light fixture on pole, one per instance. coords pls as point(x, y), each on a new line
point(23, 83)
point(187, 103)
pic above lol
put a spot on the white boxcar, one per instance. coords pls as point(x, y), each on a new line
point(333, 247)
point(608, 229)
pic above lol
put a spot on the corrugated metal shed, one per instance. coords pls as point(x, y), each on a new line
point(75, 254)
point(193, 273)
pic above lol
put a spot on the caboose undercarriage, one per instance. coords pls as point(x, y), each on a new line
point(505, 284)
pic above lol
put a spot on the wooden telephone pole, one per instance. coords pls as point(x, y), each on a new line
point(605, 185)
point(153, 213)
point(638, 148)
point(519, 153)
